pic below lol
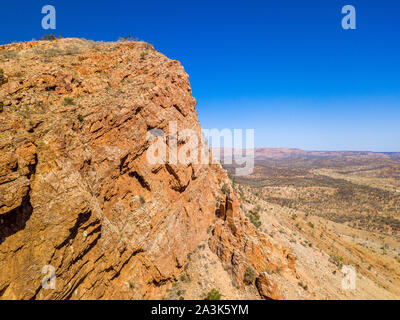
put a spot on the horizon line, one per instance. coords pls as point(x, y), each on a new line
point(306, 150)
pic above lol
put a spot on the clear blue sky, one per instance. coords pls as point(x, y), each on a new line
point(285, 68)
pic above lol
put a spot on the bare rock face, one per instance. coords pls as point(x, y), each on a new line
point(240, 246)
point(77, 193)
point(267, 287)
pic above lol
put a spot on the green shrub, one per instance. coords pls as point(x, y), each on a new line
point(2, 78)
point(142, 200)
point(254, 218)
point(68, 101)
point(337, 260)
point(143, 55)
point(214, 294)
point(80, 118)
point(184, 278)
point(249, 276)
point(304, 286)
point(1, 106)
point(224, 189)
point(18, 74)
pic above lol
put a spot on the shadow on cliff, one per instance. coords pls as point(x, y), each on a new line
point(15, 220)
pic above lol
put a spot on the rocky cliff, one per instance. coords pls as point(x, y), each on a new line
point(77, 193)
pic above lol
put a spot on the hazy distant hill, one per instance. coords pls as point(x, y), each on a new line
point(290, 153)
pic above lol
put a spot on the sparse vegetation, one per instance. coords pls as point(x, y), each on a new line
point(18, 74)
point(128, 38)
point(184, 278)
point(8, 54)
point(337, 260)
point(213, 294)
point(143, 55)
point(49, 53)
point(249, 276)
point(225, 189)
point(68, 101)
point(304, 286)
point(71, 50)
point(142, 200)
point(254, 218)
point(50, 37)
point(80, 118)
point(339, 193)
point(2, 78)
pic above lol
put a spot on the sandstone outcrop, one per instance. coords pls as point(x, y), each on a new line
point(267, 287)
point(240, 245)
point(77, 192)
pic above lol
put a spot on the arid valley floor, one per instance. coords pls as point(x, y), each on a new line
point(332, 209)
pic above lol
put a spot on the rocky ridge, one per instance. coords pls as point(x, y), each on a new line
point(78, 194)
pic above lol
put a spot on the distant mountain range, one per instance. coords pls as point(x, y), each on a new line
point(290, 153)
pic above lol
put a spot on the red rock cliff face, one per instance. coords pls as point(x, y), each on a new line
point(76, 190)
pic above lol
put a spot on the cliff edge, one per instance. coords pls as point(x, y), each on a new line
point(78, 197)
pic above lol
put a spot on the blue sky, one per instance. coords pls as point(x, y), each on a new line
point(285, 68)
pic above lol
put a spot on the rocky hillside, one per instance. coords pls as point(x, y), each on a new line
point(77, 193)
point(334, 213)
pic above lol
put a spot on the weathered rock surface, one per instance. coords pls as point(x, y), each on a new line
point(240, 245)
point(267, 287)
point(77, 192)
